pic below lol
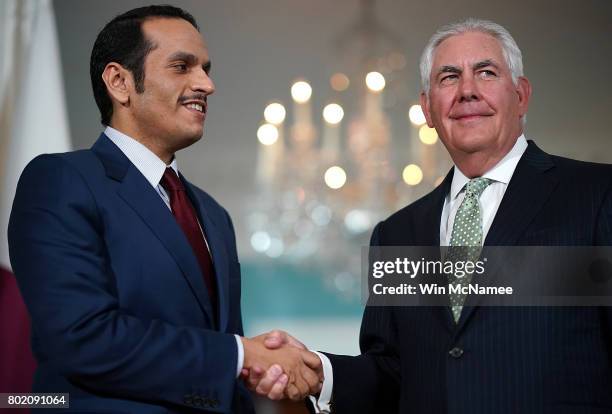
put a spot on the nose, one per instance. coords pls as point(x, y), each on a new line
point(468, 89)
point(202, 82)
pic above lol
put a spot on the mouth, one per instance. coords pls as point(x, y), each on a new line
point(196, 107)
point(469, 117)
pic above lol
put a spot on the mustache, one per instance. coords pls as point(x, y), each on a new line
point(194, 97)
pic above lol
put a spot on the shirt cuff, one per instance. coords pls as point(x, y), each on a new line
point(322, 404)
point(240, 361)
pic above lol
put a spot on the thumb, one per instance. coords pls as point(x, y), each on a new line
point(275, 339)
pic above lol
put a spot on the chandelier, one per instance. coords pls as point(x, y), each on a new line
point(323, 181)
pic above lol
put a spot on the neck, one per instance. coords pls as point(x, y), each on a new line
point(477, 163)
point(154, 144)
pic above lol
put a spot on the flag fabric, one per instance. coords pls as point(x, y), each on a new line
point(33, 121)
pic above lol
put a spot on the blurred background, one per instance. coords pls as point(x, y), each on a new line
point(314, 133)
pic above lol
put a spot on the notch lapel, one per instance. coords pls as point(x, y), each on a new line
point(531, 185)
point(138, 193)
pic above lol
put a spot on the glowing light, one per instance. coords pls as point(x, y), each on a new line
point(276, 249)
point(375, 81)
point(335, 177)
point(357, 221)
point(428, 135)
point(301, 91)
point(267, 134)
point(275, 113)
point(412, 174)
point(321, 215)
point(339, 82)
point(416, 115)
point(260, 241)
point(333, 113)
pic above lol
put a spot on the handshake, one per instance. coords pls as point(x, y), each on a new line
point(278, 366)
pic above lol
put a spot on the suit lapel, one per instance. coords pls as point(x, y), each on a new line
point(531, 185)
point(138, 193)
point(427, 226)
point(218, 252)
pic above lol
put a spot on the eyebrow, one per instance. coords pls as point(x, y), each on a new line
point(484, 64)
point(190, 59)
point(478, 65)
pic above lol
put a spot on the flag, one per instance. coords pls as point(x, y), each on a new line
point(33, 121)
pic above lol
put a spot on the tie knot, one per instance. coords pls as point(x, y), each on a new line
point(476, 186)
point(171, 181)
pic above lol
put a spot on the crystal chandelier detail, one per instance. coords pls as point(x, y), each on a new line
point(322, 183)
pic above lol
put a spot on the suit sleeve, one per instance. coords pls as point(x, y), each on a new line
point(369, 383)
point(60, 261)
point(603, 237)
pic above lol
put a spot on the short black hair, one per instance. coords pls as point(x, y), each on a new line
point(123, 41)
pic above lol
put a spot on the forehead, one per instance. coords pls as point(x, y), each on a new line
point(468, 48)
point(173, 34)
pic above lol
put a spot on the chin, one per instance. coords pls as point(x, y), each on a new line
point(472, 142)
point(194, 135)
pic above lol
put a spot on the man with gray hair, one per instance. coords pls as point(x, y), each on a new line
point(502, 191)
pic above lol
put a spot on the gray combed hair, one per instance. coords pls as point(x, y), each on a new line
point(510, 50)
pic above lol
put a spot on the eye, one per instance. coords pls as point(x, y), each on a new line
point(448, 79)
point(485, 74)
point(181, 67)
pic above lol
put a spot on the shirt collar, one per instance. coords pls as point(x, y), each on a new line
point(149, 164)
point(501, 172)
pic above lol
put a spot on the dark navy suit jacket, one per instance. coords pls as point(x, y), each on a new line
point(416, 360)
point(121, 317)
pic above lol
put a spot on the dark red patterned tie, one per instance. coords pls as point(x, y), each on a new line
point(187, 218)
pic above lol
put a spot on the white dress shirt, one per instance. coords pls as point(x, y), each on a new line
point(490, 199)
point(153, 168)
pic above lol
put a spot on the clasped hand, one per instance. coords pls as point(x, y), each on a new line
point(277, 366)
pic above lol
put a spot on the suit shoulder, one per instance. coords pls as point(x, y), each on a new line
point(47, 163)
point(414, 209)
point(595, 175)
point(585, 168)
point(53, 177)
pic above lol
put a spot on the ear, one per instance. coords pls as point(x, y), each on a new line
point(425, 107)
point(523, 90)
point(119, 82)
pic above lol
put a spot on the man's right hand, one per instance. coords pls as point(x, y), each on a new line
point(276, 365)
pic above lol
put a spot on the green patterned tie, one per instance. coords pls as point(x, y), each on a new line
point(467, 232)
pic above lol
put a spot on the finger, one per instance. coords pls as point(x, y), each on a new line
point(275, 339)
point(267, 382)
point(293, 393)
point(244, 373)
point(255, 376)
point(312, 379)
point(312, 360)
point(302, 388)
point(278, 389)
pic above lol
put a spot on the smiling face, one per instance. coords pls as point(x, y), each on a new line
point(473, 103)
point(169, 113)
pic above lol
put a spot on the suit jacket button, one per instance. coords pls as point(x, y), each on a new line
point(456, 352)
